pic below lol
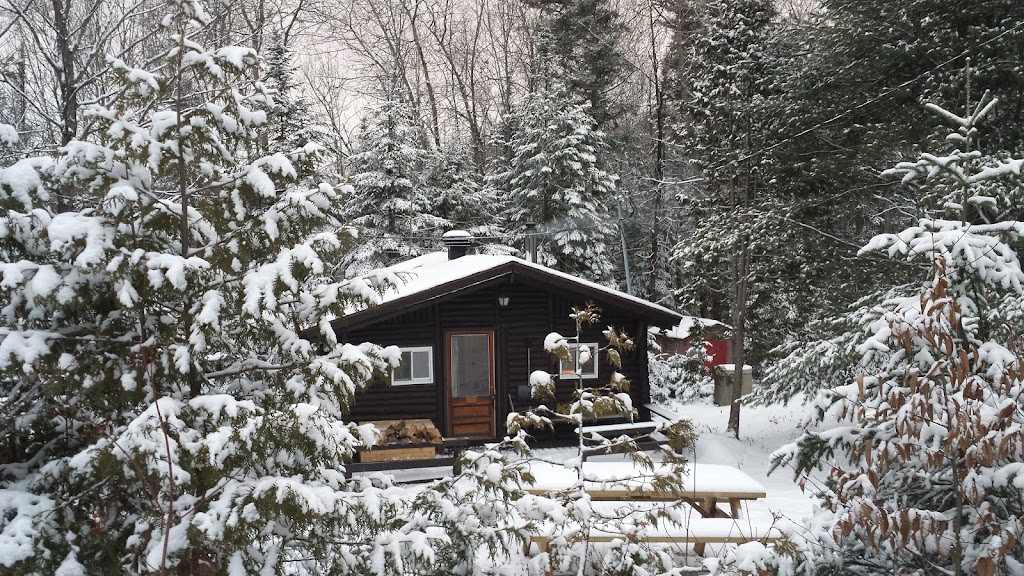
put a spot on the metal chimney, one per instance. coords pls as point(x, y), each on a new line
point(531, 242)
point(457, 242)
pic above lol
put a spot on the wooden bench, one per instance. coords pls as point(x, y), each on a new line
point(662, 412)
point(697, 532)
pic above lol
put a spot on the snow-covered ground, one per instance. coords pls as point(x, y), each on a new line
point(762, 431)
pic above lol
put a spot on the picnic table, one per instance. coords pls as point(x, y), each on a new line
point(704, 488)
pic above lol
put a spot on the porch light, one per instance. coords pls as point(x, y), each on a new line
point(502, 301)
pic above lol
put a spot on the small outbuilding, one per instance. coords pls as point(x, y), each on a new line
point(681, 338)
point(471, 330)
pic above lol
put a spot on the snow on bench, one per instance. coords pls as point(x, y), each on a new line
point(625, 479)
point(625, 427)
point(666, 531)
point(662, 412)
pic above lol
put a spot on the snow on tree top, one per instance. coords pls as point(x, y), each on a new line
point(435, 269)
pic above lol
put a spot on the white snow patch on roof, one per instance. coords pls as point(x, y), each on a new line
point(684, 329)
point(431, 270)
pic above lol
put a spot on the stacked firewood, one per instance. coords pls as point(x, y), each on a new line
point(410, 432)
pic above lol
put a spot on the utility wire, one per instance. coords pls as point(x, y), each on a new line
point(868, 102)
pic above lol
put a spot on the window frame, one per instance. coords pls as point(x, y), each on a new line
point(413, 380)
point(595, 361)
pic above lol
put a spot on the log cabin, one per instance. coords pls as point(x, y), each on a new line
point(471, 330)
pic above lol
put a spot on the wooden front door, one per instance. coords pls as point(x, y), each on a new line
point(470, 384)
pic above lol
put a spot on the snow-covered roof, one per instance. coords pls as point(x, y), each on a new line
point(424, 273)
point(684, 329)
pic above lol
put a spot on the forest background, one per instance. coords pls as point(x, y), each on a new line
point(726, 154)
point(178, 210)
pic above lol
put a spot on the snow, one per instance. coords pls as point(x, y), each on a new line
point(21, 181)
point(684, 329)
point(21, 512)
point(435, 269)
point(762, 431)
point(238, 56)
point(626, 475)
point(8, 134)
point(66, 230)
point(70, 566)
point(554, 341)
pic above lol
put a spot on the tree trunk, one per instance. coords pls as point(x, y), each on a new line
point(68, 90)
point(659, 159)
point(435, 126)
point(740, 264)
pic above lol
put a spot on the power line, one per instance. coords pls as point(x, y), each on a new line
point(883, 94)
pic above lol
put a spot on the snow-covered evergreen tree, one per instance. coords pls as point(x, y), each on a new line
point(161, 408)
point(925, 465)
point(579, 50)
point(553, 176)
point(723, 128)
point(390, 205)
point(291, 123)
point(459, 198)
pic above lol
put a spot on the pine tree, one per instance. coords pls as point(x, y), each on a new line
point(553, 177)
point(290, 123)
point(459, 198)
point(161, 407)
point(850, 79)
point(925, 463)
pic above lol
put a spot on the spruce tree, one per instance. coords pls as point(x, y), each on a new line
point(724, 130)
point(578, 51)
point(388, 201)
point(459, 198)
point(850, 80)
point(291, 125)
point(553, 176)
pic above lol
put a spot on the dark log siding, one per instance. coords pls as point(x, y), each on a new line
point(383, 401)
point(519, 329)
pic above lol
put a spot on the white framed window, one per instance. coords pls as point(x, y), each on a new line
point(417, 366)
point(587, 353)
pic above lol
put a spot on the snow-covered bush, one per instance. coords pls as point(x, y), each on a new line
point(925, 472)
point(570, 510)
point(682, 377)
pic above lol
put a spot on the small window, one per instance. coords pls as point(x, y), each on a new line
point(588, 369)
point(417, 367)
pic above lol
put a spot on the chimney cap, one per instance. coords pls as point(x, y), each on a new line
point(457, 238)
